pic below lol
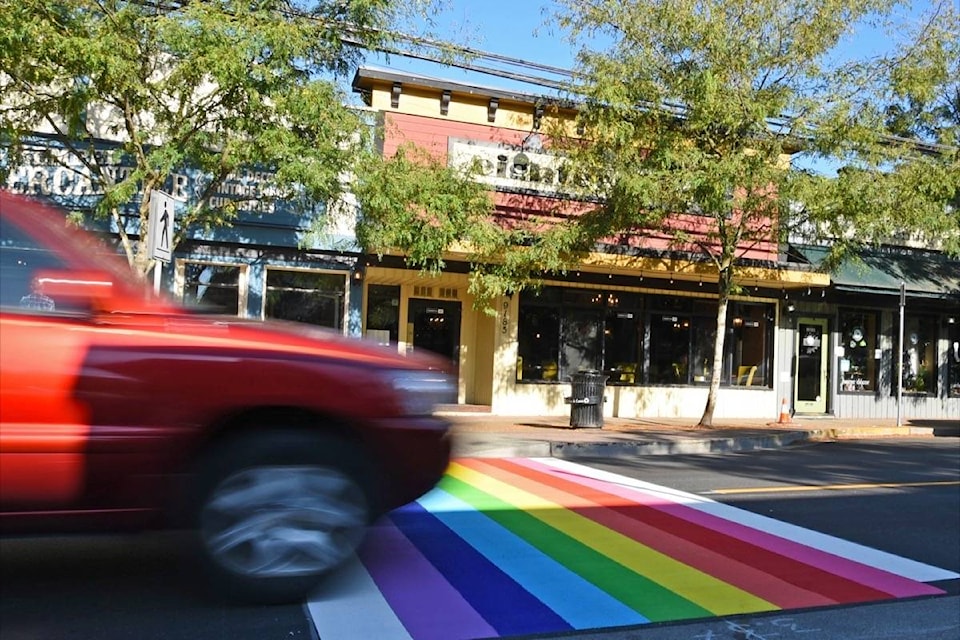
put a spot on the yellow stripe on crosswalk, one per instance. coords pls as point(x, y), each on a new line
point(700, 588)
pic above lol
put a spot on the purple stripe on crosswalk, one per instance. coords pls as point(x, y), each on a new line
point(434, 610)
point(505, 604)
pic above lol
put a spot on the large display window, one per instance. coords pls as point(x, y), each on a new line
point(953, 356)
point(212, 287)
point(311, 297)
point(637, 339)
point(919, 374)
point(858, 351)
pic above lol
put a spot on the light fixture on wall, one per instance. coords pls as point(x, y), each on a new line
point(791, 307)
point(359, 271)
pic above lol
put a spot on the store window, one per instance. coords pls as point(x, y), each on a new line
point(212, 287)
point(682, 340)
point(858, 351)
point(22, 258)
point(919, 373)
point(622, 338)
point(563, 331)
point(748, 349)
point(306, 296)
point(953, 356)
point(383, 313)
point(669, 348)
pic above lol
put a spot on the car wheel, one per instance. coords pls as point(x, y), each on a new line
point(276, 512)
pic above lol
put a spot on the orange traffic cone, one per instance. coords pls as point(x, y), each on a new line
point(784, 412)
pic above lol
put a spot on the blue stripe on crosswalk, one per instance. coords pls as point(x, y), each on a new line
point(500, 600)
point(579, 602)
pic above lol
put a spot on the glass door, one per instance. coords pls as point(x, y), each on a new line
point(811, 374)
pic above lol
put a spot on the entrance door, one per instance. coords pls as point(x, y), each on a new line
point(435, 326)
point(812, 370)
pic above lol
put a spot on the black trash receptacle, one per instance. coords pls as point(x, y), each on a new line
point(586, 399)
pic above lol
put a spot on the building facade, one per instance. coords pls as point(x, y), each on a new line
point(823, 344)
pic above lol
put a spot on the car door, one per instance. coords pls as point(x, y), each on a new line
point(44, 430)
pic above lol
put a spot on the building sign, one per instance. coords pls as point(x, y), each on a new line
point(160, 236)
point(511, 168)
point(56, 173)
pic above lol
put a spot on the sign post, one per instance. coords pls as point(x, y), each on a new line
point(160, 232)
point(903, 304)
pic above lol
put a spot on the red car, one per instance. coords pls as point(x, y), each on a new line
point(275, 444)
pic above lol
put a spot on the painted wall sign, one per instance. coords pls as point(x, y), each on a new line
point(50, 171)
point(511, 167)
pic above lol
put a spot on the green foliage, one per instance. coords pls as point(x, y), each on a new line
point(414, 203)
point(691, 106)
point(213, 86)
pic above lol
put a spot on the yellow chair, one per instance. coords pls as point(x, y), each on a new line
point(627, 372)
point(745, 375)
point(550, 371)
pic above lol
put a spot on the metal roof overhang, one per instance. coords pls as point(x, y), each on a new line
point(768, 275)
point(924, 274)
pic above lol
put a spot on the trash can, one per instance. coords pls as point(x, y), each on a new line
point(586, 399)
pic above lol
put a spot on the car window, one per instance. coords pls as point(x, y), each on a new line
point(21, 257)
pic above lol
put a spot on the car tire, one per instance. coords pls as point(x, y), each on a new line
point(274, 512)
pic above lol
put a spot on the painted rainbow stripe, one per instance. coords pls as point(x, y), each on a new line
point(507, 547)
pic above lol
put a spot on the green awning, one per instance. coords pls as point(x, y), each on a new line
point(925, 274)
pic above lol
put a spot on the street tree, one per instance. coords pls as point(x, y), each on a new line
point(126, 95)
point(689, 113)
point(694, 107)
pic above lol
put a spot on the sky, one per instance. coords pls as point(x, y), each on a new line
point(514, 28)
point(521, 29)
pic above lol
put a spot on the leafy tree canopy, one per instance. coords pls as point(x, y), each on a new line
point(217, 87)
point(689, 114)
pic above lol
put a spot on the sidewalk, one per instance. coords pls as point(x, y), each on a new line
point(483, 435)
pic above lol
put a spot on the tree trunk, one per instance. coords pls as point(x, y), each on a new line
point(716, 372)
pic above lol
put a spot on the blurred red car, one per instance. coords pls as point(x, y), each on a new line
point(276, 444)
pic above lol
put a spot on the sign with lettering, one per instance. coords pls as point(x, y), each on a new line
point(511, 168)
point(49, 170)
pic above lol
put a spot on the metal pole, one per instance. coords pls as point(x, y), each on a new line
point(903, 304)
point(157, 266)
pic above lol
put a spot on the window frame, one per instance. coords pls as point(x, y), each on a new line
point(848, 339)
point(183, 283)
point(341, 297)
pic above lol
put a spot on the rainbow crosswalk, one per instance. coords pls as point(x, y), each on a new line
point(506, 547)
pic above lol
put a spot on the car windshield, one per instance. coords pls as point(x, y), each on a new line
point(37, 239)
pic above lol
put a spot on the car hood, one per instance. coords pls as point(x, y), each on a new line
point(276, 336)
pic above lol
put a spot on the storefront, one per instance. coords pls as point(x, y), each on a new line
point(647, 323)
point(850, 356)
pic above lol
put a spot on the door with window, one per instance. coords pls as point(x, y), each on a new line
point(812, 370)
point(435, 326)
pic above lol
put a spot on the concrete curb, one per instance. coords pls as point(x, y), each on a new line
point(676, 447)
point(500, 445)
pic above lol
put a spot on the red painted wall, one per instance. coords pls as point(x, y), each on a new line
point(432, 135)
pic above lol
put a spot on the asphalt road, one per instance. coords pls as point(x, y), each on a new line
point(895, 495)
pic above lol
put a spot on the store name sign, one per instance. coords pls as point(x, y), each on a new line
point(59, 174)
point(510, 167)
